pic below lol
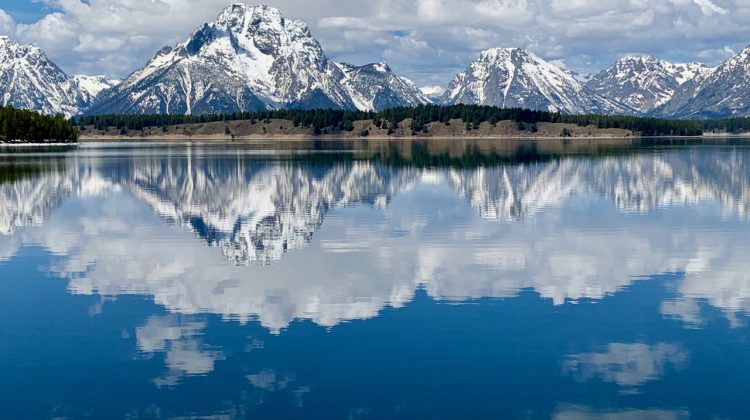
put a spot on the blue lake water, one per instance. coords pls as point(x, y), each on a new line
point(376, 280)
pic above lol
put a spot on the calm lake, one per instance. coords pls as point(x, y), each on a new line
point(449, 279)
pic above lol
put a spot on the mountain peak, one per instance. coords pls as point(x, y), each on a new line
point(517, 78)
point(741, 58)
point(380, 66)
point(252, 58)
point(720, 92)
point(19, 49)
point(500, 52)
point(241, 9)
point(30, 80)
point(637, 57)
point(241, 17)
point(644, 82)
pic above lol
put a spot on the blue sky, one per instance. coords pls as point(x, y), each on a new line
point(26, 11)
point(426, 40)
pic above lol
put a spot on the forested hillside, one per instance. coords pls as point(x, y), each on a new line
point(20, 125)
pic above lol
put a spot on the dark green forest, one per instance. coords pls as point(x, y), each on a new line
point(29, 126)
point(730, 125)
point(330, 121)
point(33, 127)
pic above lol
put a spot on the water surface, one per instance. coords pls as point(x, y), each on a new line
point(376, 280)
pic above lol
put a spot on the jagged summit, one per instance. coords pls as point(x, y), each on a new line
point(249, 58)
point(645, 82)
point(30, 80)
point(514, 77)
point(723, 92)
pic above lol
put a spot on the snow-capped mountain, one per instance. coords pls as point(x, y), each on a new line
point(91, 86)
point(724, 92)
point(433, 93)
point(251, 58)
point(645, 83)
point(375, 87)
point(516, 78)
point(30, 80)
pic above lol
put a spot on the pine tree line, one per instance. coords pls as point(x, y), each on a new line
point(736, 125)
point(33, 127)
point(331, 121)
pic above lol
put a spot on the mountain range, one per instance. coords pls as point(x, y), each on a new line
point(645, 83)
point(29, 79)
point(516, 78)
point(252, 58)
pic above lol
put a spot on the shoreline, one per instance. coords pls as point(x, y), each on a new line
point(283, 139)
point(30, 144)
point(328, 138)
point(305, 138)
point(176, 138)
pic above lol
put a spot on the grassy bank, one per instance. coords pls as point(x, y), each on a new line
point(285, 129)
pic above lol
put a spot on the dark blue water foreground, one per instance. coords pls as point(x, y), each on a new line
point(388, 281)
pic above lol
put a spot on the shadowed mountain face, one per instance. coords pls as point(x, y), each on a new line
point(504, 228)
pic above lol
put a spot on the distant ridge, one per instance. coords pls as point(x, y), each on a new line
point(513, 77)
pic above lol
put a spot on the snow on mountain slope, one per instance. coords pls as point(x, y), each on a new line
point(516, 78)
point(30, 80)
point(723, 93)
point(91, 86)
point(376, 87)
point(645, 83)
point(433, 93)
point(251, 58)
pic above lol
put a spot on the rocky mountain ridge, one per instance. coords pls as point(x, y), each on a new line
point(516, 78)
point(253, 58)
point(644, 82)
point(30, 80)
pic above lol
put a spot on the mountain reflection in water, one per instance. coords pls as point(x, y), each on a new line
point(335, 236)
